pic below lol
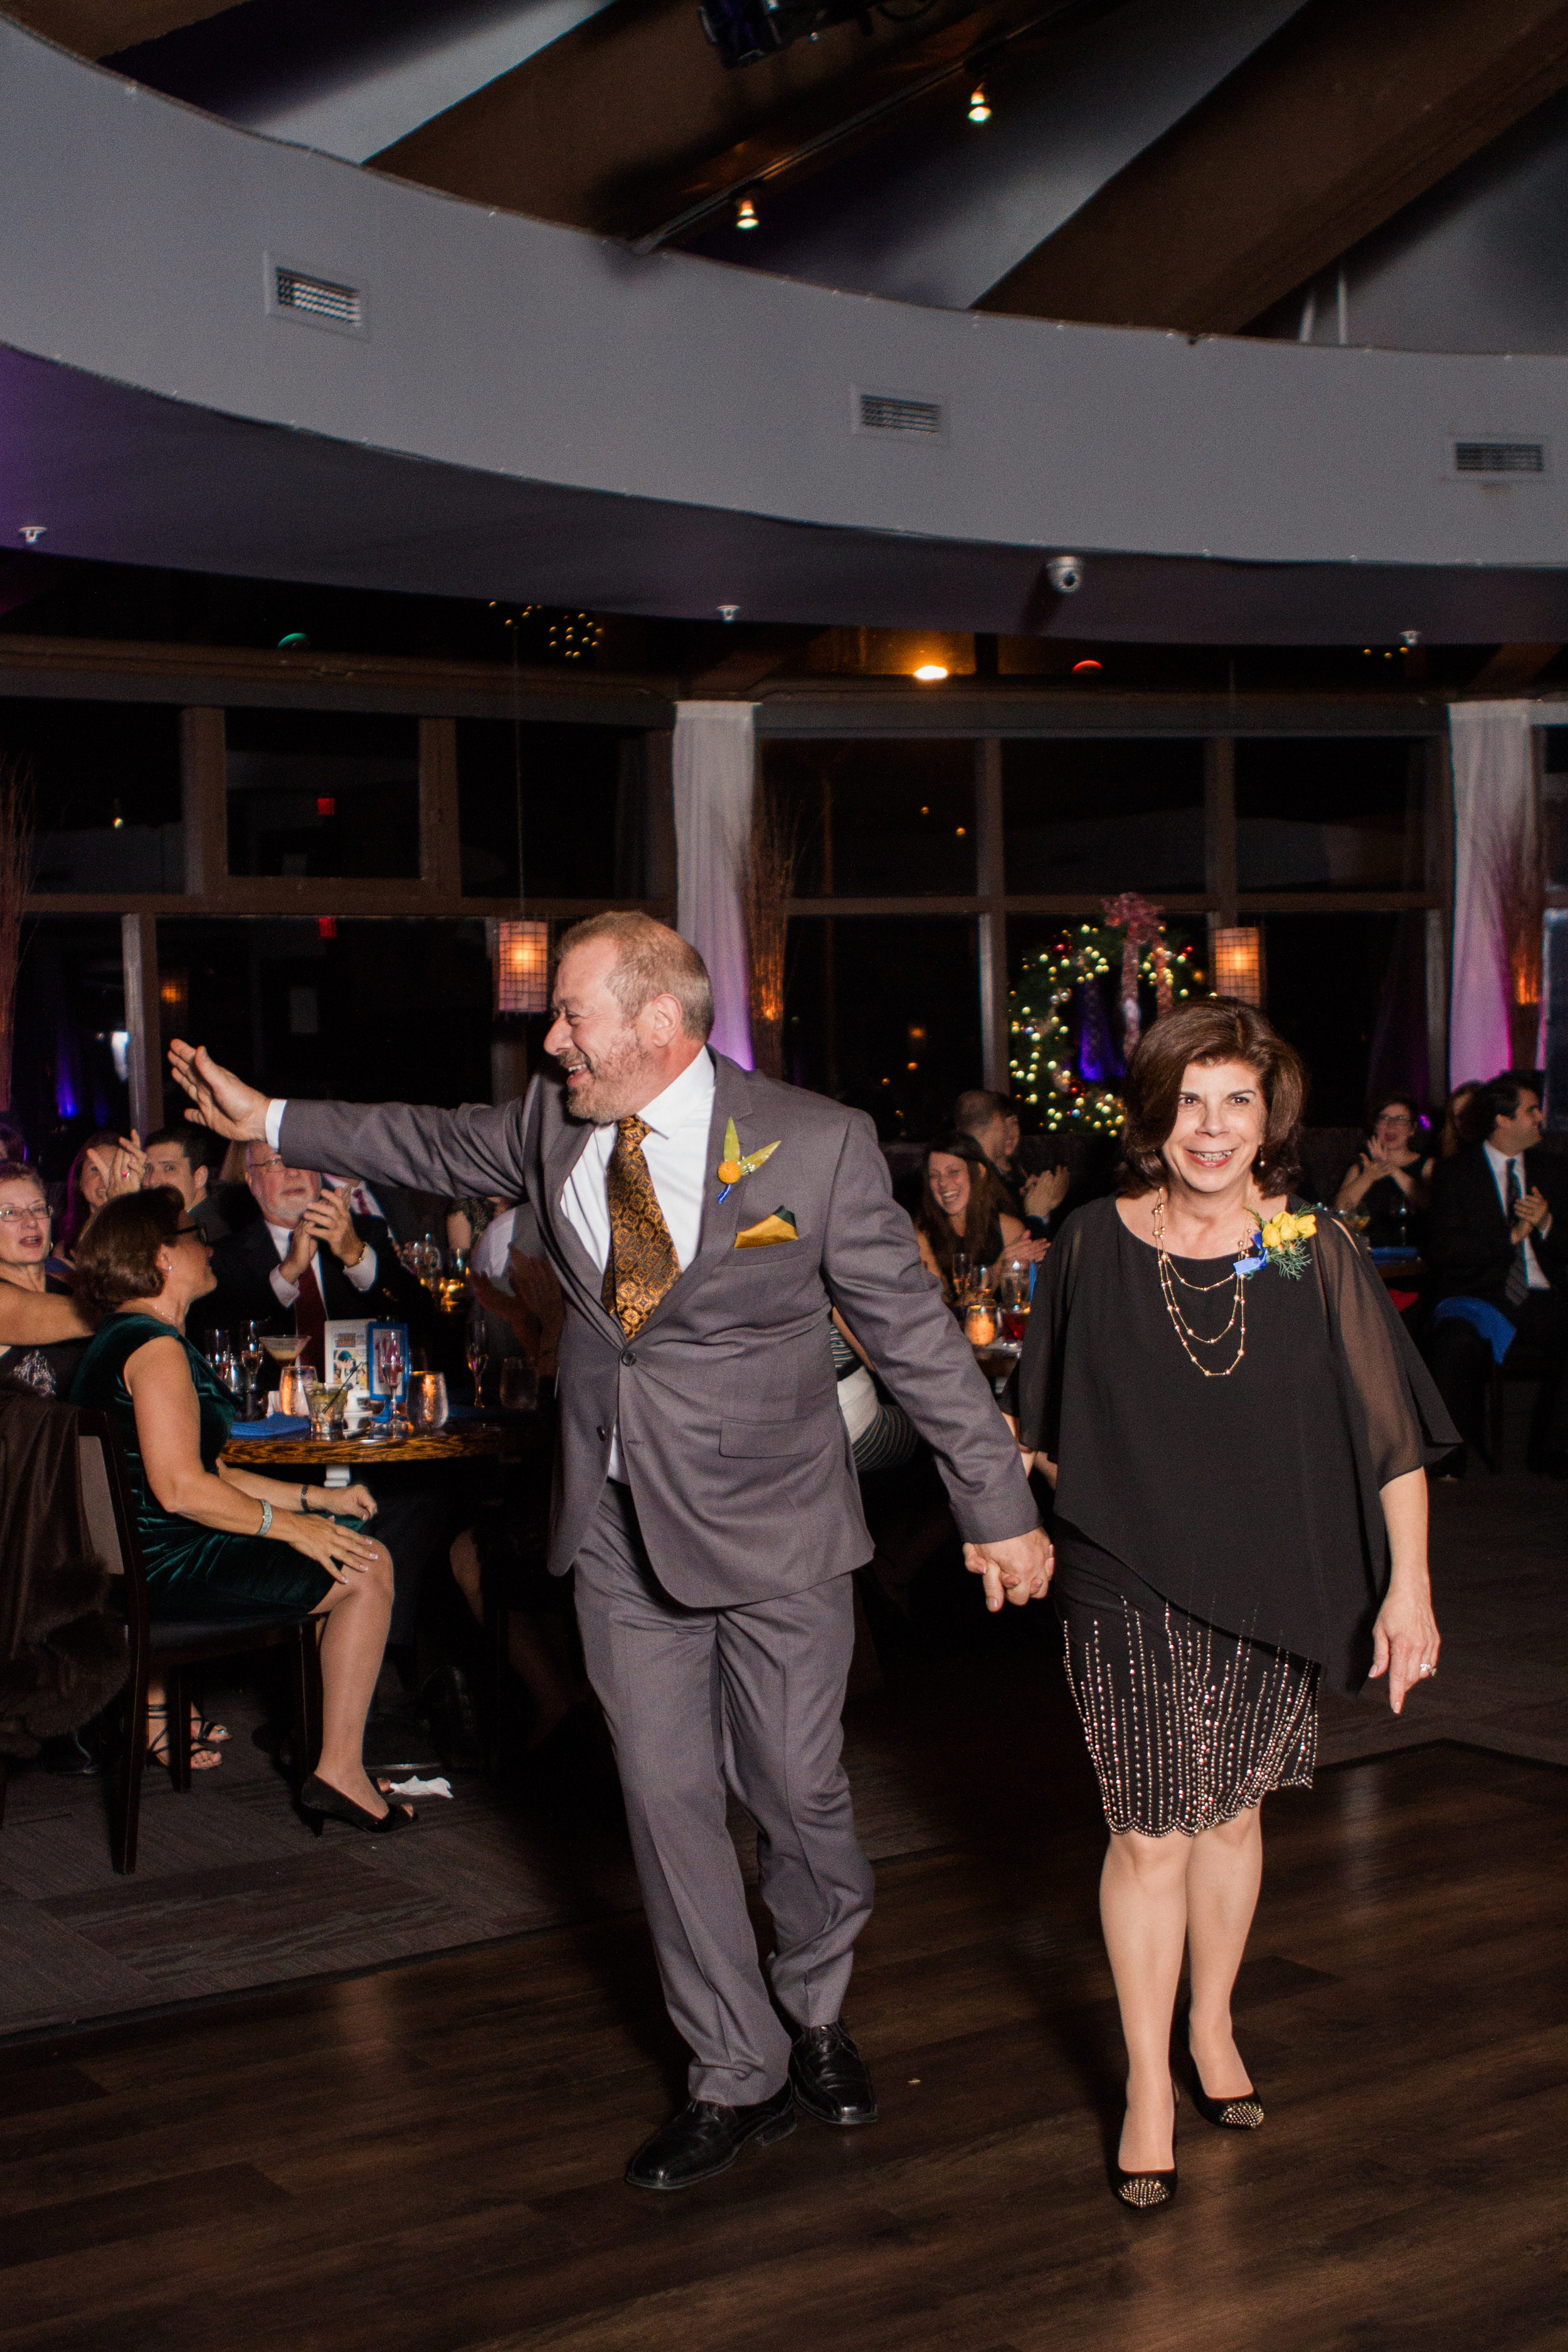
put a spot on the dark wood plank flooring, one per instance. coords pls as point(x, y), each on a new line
point(429, 2160)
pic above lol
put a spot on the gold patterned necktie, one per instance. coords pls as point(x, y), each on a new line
point(642, 1263)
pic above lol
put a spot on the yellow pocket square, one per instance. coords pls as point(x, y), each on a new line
point(779, 1227)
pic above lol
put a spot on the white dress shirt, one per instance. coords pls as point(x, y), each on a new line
point(676, 1151)
point(1499, 1163)
point(362, 1275)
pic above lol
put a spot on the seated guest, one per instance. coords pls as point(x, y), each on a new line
point(174, 1156)
point(1458, 1127)
point(308, 1259)
point(993, 1120)
point(13, 1142)
point(43, 1334)
point(1497, 1235)
point(219, 1542)
point(106, 1166)
point(1392, 1180)
point(962, 1209)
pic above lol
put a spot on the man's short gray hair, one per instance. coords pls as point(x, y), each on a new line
point(652, 960)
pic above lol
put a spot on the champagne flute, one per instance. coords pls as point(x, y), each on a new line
point(251, 1359)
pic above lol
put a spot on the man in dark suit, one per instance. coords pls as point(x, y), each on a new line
point(175, 1157)
point(1498, 1234)
point(702, 1221)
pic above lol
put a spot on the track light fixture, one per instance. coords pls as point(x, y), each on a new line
point(979, 104)
point(746, 212)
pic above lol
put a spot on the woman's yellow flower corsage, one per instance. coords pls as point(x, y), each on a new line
point(737, 1163)
point(1280, 1244)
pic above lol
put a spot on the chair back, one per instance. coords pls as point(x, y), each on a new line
point(109, 1510)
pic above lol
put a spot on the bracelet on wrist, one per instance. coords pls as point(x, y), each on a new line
point(265, 1526)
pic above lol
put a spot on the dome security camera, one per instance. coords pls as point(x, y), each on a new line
point(1065, 574)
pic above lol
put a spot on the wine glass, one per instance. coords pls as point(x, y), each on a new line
point(389, 1372)
point(962, 1276)
point(477, 1358)
point(251, 1359)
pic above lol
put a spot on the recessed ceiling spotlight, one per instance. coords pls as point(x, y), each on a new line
point(32, 531)
point(931, 673)
point(979, 104)
point(746, 212)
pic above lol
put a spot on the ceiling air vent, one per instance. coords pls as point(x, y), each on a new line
point(316, 298)
point(1500, 457)
point(889, 412)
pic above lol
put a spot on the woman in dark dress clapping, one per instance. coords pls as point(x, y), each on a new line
point(1236, 1427)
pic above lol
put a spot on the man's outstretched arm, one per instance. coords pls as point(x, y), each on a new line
point(476, 1149)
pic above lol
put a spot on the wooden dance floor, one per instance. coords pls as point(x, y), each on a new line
point(429, 2160)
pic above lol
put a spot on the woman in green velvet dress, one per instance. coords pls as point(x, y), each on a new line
point(220, 1542)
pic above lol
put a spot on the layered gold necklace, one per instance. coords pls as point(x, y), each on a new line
point(1170, 1276)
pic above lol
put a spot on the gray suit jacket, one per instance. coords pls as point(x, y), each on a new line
point(736, 1452)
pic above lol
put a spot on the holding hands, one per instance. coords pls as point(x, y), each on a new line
point(1014, 1567)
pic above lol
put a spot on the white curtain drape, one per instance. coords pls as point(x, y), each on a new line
point(715, 767)
point(1494, 785)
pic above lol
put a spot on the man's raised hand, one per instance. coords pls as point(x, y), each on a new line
point(223, 1102)
point(1018, 1568)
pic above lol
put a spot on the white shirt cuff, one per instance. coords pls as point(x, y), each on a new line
point(284, 1291)
point(362, 1275)
point(275, 1110)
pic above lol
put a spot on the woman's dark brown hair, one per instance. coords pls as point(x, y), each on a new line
point(983, 1219)
point(1215, 1029)
point(78, 1209)
point(118, 1259)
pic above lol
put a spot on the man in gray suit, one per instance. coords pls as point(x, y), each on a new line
point(702, 1220)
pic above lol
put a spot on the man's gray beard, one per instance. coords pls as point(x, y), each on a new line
point(623, 1078)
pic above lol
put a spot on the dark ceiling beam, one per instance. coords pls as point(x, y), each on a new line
point(101, 28)
point(596, 130)
point(1513, 667)
point(1347, 114)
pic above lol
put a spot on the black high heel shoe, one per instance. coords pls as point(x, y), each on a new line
point(321, 1802)
point(1144, 2190)
point(1243, 2113)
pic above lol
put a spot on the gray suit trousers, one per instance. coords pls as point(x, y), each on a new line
point(745, 1700)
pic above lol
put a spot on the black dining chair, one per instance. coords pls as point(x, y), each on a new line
point(174, 1646)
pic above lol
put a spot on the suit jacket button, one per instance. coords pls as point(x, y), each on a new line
point(603, 1431)
point(628, 1357)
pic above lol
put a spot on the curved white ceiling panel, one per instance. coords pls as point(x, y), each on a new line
point(142, 244)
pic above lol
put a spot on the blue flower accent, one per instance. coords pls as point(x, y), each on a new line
point(1251, 1264)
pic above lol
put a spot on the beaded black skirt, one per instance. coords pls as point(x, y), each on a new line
point(1187, 1726)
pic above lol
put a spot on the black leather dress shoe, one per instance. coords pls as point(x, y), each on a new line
point(705, 2138)
point(832, 2080)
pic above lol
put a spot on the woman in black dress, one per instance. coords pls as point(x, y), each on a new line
point(1187, 1358)
point(1390, 1183)
point(43, 1333)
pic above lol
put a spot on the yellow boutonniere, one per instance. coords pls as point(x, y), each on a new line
point(737, 1163)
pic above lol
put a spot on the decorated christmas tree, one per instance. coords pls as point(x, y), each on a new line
point(1079, 1008)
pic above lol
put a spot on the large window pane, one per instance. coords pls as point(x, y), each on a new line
point(876, 819)
point(1554, 807)
point(1343, 990)
point(1341, 813)
point(330, 794)
point(574, 798)
point(70, 1071)
point(1103, 817)
point(372, 1011)
point(106, 780)
point(884, 1011)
